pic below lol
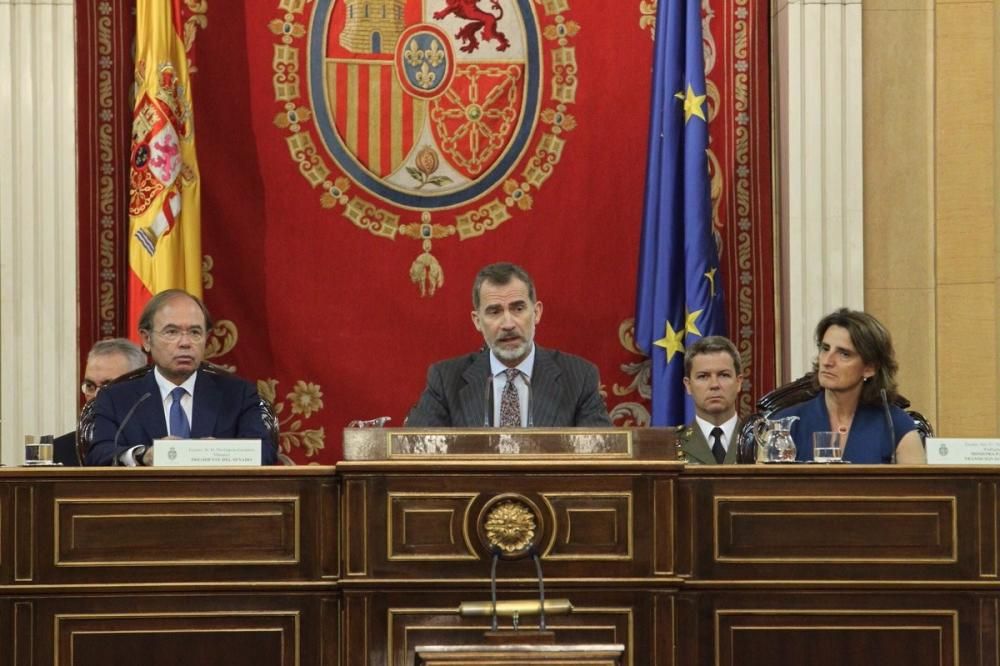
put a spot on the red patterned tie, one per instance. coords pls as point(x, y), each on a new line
point(510, 403)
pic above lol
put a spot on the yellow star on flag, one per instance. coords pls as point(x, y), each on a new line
point(691, 325)
point(692, 104)
point(711, 282)
point(672, 341)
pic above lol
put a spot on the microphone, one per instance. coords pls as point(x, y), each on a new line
point(128, 416)
point(888, 420)
point(495, 551)
point(487, 394)
point(541, 586)
point(529, 422)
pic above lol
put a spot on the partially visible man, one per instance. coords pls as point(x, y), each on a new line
point(107, 360)
point(177, 398)
point(512, 382)
point(712, 377)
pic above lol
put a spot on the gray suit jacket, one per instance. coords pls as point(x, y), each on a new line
point(699, 451)
point(564, 393)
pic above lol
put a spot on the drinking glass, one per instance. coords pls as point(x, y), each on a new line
point(826, 447)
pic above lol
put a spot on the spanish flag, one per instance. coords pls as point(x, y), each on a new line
point(164, 201)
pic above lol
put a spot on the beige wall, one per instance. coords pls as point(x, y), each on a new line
point(932, 233)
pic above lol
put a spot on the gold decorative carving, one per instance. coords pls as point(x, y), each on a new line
point(510, 526)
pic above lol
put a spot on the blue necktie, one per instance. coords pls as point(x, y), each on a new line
point(179, 426)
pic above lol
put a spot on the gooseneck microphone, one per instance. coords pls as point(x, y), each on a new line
point(495, 552)
point(529, 422)
point(487, 394)
point(121, 426)
point(888, 420)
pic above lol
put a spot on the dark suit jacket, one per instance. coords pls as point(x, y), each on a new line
point(564, 392)
point(699, 451)
point(225, 407)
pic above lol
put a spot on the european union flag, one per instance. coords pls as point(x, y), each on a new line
point(680, 290)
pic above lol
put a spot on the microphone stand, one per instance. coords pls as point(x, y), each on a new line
point(892, 428)
point(487, 394)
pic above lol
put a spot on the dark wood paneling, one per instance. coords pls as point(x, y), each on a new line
point(590, 525)
point(177, 530)
point(358, 531)
point(158, 567)
point(988, 517)
point(430, 617)
point(23, 632)
point(128, 529)
point(709, 567)
point(859, 525)
point(195, 628)
point(835, 529)
point(431, 526)
point(6, 534)
point(23, 516)
point(832, 628)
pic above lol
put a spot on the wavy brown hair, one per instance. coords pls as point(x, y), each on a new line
point(873, 343)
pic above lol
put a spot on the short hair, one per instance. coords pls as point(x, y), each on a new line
point(874, 345)
point(501, 273)
point(160, 299)
point(134, 356)
point(712, 344)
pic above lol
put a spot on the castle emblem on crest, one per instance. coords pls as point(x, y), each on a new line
point(425, 119)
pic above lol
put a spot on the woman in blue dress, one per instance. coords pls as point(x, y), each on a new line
point(855, 363)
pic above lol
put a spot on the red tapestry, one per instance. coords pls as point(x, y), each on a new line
point(361, 160)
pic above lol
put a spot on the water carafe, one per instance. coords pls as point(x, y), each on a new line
point(774, 440)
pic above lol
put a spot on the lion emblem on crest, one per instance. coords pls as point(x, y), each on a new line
point(480, 21)
point(412, 124)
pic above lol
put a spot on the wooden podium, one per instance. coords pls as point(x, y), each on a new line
point(597, 507)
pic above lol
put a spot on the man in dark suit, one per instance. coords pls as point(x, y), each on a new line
point(107, 360)
point(513, 382)
point(712, 377)
point(177, 398)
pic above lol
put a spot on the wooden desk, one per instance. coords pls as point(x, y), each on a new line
point(838, 565)
point(316, 566)
point(102, 567)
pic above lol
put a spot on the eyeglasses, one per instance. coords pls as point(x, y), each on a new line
point(175, 333)
point(90, 389)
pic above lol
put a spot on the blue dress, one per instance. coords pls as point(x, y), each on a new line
point(868, 442)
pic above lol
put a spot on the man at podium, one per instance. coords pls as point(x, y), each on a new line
point(179, 398)
point(512, 382)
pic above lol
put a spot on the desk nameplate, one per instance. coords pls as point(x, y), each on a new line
point(206, 453)
point(962, 451)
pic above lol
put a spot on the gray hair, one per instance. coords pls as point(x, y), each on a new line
point(133, 354)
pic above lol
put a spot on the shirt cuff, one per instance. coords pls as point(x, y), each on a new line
point(127, 457)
